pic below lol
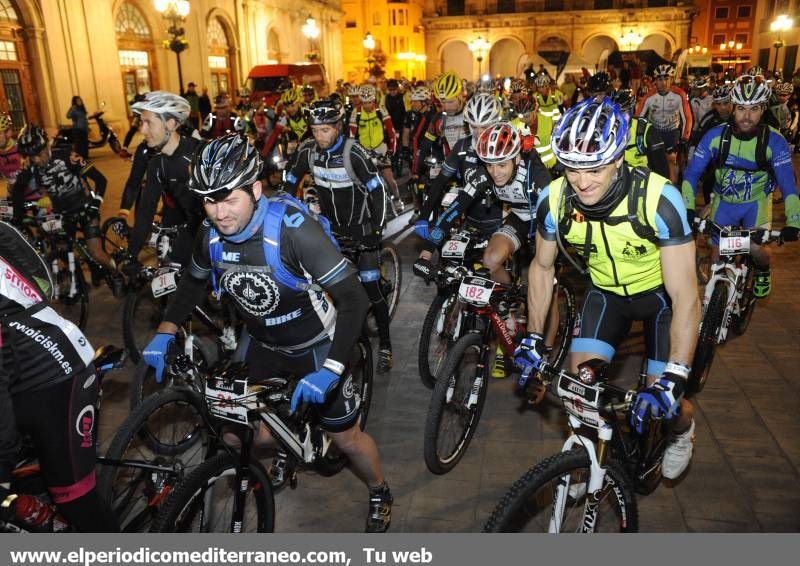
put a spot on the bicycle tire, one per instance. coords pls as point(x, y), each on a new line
point(391, 282)
point(75, 308)
point(526, 506)
point(192, 497)
point(707, 340)
point(143, 382)
point(134, 494)
point(442, 449)
point(140, 317)
point(566, 323)
point(114, 144)
point(440, 330)
point(334, 461)
point(740, 322)
point(115, 233)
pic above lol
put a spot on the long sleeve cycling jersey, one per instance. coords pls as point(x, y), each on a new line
point(62, 178)
point(668, 111)
point(355, 207)
point(10, 162)
point(167, 175)
point(739, 179)
point(141, 157)
point(445, 129)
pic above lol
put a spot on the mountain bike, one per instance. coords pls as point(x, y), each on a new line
point(728, 299)
point(491, 311)
point(591, 485)
point(231, 491)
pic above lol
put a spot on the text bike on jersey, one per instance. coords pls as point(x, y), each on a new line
point(629, 226)
point(282, 271)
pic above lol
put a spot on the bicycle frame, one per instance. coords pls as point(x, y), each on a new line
point(732, 274)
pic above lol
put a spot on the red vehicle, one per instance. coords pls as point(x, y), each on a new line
point(265, 80)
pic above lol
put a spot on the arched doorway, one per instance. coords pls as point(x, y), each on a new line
point(594, 48)
point(504, 56)
point(136, 51)
point(17, 98)
point(220, 57)
point(273, 47)
point(457, 57)
point(658, 43)
point(553, 49)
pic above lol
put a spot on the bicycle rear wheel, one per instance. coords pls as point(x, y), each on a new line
point(204, 501)
point(565, 299)
point(456, 405)
point(707, 340)
point(529, 505)
point(440, 330)
point(166, 431)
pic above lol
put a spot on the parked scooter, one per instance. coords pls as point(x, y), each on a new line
point(107, 134)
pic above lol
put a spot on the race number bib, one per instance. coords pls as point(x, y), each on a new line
point(734, 243)
point(164, 282)
point(52, 224)
point(475, 291)
point(227, 400)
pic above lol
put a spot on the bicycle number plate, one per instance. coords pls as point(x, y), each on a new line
point(164, 281)
point(475, 291)
point(153, 242)
point(448, 198)
point(52, 224)
point(455, 247)
point(580, 400)
point(226, 400)
point(6, 210)
point(734, 243)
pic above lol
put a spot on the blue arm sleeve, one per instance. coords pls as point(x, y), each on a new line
point(705, 151)
point(782, 164)
point(671, 224)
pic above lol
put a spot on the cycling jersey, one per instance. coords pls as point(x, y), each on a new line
point(62, 178)
point(374, 130)
point(740, 179)
point(417, 124)
point(668, 112)
point(133, 186)
point(618, 259)
point(355, 207)
point(445, 129)
point(10, 162)
point(168, 175)
point(548, 114)
point(646, 148)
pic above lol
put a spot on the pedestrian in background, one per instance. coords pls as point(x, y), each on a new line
point(193, 99)
point(80, 126)
point(204, 105)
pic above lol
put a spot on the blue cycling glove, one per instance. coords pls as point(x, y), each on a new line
point(528, 356)
point(437, 236)
point(155, 353)
point(662, 399)
point(421, 229)
point(314, 387)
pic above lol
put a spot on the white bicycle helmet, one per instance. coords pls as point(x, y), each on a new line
point(590, 135)
point(420, 94)
point(165, 104)
point(722, 94)
point(664, 72)
point(482, 110)
point(541, 80)
point(367, 93)
point(783, 88)
point(750, 91)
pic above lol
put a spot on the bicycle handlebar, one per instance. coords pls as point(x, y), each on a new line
point(708, 226)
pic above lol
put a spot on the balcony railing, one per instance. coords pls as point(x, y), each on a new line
point(459, 8)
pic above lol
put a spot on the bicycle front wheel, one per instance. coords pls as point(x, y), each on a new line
point(440, 329)
point(707, 341)
point(204, 501)
point(741, 321)
point(562, 328)
point(391, 280)
point(530, 504)
point(456, 405)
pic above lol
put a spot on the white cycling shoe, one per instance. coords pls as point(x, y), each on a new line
point(678, 454)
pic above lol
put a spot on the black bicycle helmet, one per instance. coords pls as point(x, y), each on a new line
point(625, 99)
point(599, 83)
point(324, 111)
point(222, 165)
point(32, 140)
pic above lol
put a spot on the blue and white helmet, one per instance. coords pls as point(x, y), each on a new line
point(592, 134)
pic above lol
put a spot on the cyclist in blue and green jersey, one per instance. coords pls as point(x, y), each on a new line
point(750, 160)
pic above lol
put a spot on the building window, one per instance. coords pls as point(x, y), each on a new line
point(7, 12)
point(130, 58)
point(741, 38)
point(217, 62)
point(743, 12)
point(8, 51)
point(721, 13)
point(216, 34)
point(131, 21)
point(350, 24)
point(719, 39)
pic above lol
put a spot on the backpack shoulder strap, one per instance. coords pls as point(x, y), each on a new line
point(642, 126)
point(637, 205)
point(215, 257)
point(762, 142)
point(724, 145)
point(272, 244)
point(348, 162)
point(312, 157)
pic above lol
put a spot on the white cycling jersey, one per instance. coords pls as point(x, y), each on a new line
point(668, 111)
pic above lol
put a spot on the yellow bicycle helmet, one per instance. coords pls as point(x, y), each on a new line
point(5, 122)
point(448, 86)
point(290, 97)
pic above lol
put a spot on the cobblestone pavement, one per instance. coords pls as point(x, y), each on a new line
point(743, 478)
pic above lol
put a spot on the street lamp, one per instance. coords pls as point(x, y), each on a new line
point(697, 50)
point(369, 45)
point(479, 47)
point(731, 46)
point(311, 32)
point(631, 39)
point(779, 24)
point(175, 12)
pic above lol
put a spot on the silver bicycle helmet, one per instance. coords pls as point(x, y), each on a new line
point(222, 165)
point(749, 91)
point(482, 110)
point(165, 104)
point(420, 94)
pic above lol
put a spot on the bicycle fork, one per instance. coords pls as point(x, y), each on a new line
point(597, 475)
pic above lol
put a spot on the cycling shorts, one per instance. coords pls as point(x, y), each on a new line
point(341, 409)
point(516, 230)
point(605, 321)
point(61, 422)
point(671, 139)
point(756, 214)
